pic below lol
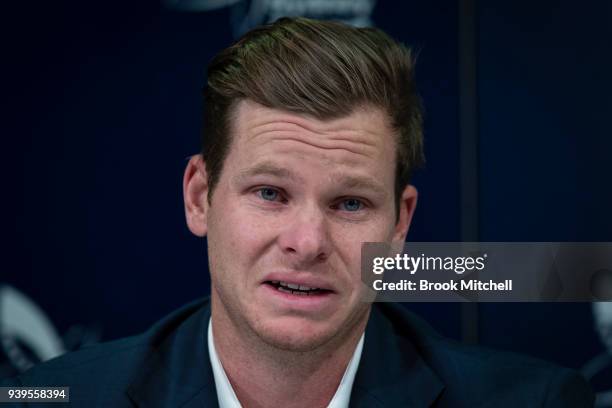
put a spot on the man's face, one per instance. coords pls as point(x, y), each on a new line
point(294, 202)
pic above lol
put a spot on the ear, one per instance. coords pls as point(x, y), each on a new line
point(407, 205)
point(195, 195)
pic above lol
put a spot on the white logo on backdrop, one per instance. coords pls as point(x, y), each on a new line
point(22, 321)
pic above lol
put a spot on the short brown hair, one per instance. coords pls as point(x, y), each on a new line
point(321, 68)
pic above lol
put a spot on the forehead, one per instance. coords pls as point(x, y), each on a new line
point(364, 133)
point(355, 152)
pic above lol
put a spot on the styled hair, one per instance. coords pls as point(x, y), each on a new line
point(320, 68)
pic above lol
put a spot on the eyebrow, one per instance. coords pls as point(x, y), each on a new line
point(267, 169)
point(361, 183)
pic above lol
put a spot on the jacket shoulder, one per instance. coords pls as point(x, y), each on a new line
point(101, 372)
point(484, 377)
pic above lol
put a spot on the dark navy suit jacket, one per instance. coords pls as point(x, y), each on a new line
point(404, 364)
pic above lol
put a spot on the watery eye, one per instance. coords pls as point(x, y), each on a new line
point(268, 194)
point(352, 204)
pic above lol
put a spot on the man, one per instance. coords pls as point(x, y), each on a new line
point(312, 130)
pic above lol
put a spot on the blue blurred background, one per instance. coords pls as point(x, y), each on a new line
point(102, 107)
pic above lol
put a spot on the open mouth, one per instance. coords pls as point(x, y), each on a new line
point(295, 289)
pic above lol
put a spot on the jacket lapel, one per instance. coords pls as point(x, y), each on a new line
point(178, 372)
point(392, 372)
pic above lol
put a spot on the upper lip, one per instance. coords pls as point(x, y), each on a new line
point(300, 278)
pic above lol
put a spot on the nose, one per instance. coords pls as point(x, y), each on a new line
point(305, 239)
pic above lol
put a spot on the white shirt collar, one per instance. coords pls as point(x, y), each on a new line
point(227, 397)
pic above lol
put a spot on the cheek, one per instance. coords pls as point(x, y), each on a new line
point(237, 234)
point(351, 235)
point(349, 238)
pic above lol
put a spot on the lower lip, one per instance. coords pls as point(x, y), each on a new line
point(312, 302)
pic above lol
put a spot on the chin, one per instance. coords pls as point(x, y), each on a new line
point(295, 334)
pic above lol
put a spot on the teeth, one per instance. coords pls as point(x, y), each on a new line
point(294, 288)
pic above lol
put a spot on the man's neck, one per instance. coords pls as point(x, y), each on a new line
point(264, 376)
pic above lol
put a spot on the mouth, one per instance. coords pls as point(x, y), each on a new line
point(296, 289)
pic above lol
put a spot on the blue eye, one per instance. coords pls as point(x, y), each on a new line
point(268, 194)
point(352, 204)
